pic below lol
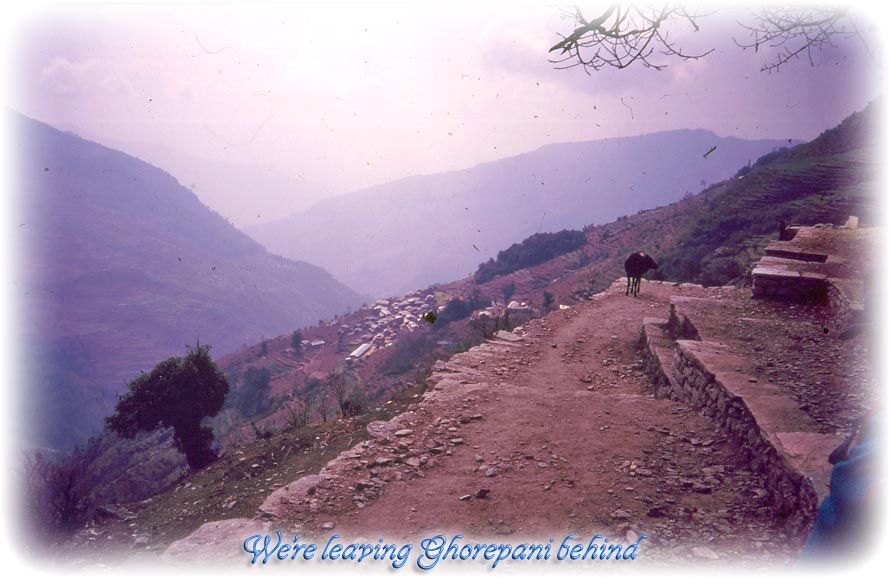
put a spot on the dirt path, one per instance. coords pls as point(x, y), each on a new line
point(571, 441)
point(551, 431)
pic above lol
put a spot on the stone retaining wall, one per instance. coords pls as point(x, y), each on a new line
point(771, 281)
point(842, 296)
point(657, 351)
point(679, 371)
point(845, 307)
point(791, 271)
point(792, 494)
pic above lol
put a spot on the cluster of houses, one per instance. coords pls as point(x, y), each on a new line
point(517, 312)
point(383, 323)
point(386, 319)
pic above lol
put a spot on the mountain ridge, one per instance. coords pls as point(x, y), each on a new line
point(425, 229)
point(123, 266)
point(222, 185)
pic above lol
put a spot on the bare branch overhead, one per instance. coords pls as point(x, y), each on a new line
point(622, 35)
point(625, 34)
point(795, 31)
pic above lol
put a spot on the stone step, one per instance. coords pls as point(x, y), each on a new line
point(789, 250)
point(774, 280)
point(780, 272)
point(785, 263)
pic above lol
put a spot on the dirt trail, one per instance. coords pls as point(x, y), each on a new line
point(571, 441)
point(550, 431)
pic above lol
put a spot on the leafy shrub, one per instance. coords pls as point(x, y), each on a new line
point(534, 250)
point(179, 393)
point(253, 398)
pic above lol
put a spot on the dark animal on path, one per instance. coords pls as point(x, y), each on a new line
point(635, 266)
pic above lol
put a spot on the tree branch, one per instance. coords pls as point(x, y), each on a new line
point(795, 31)
point(624, 34)
point(619, 37)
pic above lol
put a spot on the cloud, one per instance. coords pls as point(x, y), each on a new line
point(67, 77)
point(395, 90)
point(686, 70)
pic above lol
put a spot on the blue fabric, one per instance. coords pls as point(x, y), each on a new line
point(841, 524)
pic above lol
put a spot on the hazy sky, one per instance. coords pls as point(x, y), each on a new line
point(354, 94)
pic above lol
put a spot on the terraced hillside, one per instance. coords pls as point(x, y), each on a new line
point(714, 237)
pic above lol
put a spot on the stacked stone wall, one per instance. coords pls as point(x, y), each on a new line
point(680, 374)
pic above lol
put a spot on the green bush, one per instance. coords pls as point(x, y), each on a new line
point(179, 393)
point(534, 250)
point(252, 399)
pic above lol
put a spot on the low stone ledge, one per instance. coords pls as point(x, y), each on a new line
point(679, 326)
point(755, 416)
point(779, 439)
point(772, 281)
point(788, 250)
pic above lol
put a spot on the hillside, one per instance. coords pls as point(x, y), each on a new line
point(122, 267)
point(494, 392)
point(715, 236)
point(225, 186)
point(550, 430)
point(823, 181)
point(402, 236)
point(681, 236)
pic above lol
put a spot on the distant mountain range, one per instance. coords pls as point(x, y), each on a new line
point(715, 236)
point(245, 194)
point(123, 267)
point(400, 236)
